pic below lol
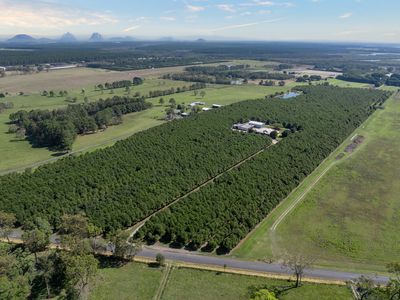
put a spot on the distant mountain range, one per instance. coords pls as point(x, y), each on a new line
point(65, 38)
point(25, 39)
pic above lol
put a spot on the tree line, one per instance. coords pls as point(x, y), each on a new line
point(34, 271)
point(224, 74)
point(58, 128)
point(121, 84)
point(221, 214)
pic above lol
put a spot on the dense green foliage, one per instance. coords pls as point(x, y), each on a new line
point(142, 55)
point(222, 213)
point(376, 79)
point(393, 80)
point(224, 74)
point(122, 184)
point(121, 84)
point(58, 128)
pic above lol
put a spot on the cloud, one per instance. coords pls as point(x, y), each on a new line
point(267, 3)
point(132, 28)
point(346, 15)
point(168, 19)
point(243, 25)
point(193, 8)
point(48, 15)
point(226, 7)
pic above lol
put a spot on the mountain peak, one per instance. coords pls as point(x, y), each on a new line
point(68, 38)
point(22, 38)
point(96, 37)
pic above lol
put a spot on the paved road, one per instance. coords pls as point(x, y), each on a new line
point(219, 261)
point(274, 268)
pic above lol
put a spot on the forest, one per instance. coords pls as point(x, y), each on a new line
point(58, 129)
point(120, 185)
point(142, 55)
point(224, 212)
point(377, 79)
point(224, 74)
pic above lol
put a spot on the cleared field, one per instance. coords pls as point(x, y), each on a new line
point(69, 79)
point(342, 83)
point(138, 281)
point(17, 153)
point(350, 218)
point(76, 78)
point(132, 281)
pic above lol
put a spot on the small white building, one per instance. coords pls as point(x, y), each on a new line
point(237, 82)
point(185, 114)
point(197, 103)
point(3, 69)
point(257, 124)
point(216, 106)
point(243, 127)
point(206, 109)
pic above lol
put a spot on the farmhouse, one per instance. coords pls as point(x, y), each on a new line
point(206, 109)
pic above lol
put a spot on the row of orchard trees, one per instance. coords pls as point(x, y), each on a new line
point(223, 213)
point(123, 184)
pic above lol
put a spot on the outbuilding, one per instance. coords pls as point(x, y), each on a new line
point(243, 127)
point(257, 124)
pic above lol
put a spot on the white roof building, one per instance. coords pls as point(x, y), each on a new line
point(257, 124)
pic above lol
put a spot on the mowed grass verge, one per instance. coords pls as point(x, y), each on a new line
point(139, 281)
point(350, 219)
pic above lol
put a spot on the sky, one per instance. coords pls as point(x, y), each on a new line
point(287, 20)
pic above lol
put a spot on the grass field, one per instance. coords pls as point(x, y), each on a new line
point(77, 78)
point(16, 153)
point(138, 281)
point(350, 218)
point(132, 281)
